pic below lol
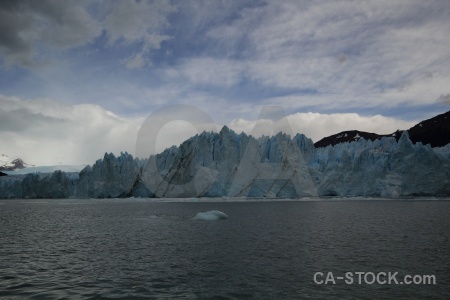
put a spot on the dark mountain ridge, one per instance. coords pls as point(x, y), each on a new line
point(434, 131)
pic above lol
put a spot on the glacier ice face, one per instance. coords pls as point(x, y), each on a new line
point(383, 168)
point(111, 177)
point(238, 165)
point(228, 164)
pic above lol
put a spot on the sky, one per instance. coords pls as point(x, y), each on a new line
point(78, 78)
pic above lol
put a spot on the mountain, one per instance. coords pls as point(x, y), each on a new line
point(11, 164)
point(16, 166)
point(46, 169)
point(434, 131)
point(227, 164)
point(352, 136)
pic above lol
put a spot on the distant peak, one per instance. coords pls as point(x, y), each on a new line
point(109, 156)
point(434, 131)
point(11, 164)
point(226, 129)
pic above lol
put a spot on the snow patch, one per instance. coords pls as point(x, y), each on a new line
point(8, 163)
point(47, 169)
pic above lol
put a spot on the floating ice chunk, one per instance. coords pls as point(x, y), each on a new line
point(211, 215)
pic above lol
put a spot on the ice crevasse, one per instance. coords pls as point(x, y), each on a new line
point(238, 165)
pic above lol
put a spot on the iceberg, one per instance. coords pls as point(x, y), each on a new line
point(211, 215)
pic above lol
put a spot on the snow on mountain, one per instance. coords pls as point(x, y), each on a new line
point(238, 165)
point(46, 169)
point(434, 131)
point(10, 164)
point(16, 166)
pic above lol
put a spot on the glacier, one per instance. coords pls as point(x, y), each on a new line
point(227, 164)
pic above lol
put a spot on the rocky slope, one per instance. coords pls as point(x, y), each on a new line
point(434, 131)
point(11, 164)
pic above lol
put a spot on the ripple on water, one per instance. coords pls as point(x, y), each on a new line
point(267, 250)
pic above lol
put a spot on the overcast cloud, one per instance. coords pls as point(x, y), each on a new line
point(48, 132)
point(77, 75)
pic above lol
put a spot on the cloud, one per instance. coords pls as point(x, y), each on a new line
point(29, 29)
point(12, 121)
point(327, 55)
point(208, 72)
point(173, 134)
point(316, 125)
point(138, 22)
point(445, 99)
point(44, 131)
point(136, 61)
point(366, 53)
point(48, 132)
point(227, 57)
point(27, 25)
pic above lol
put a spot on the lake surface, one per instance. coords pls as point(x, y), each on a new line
point(139, 248)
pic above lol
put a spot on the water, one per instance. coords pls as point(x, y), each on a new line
point(130, 248)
